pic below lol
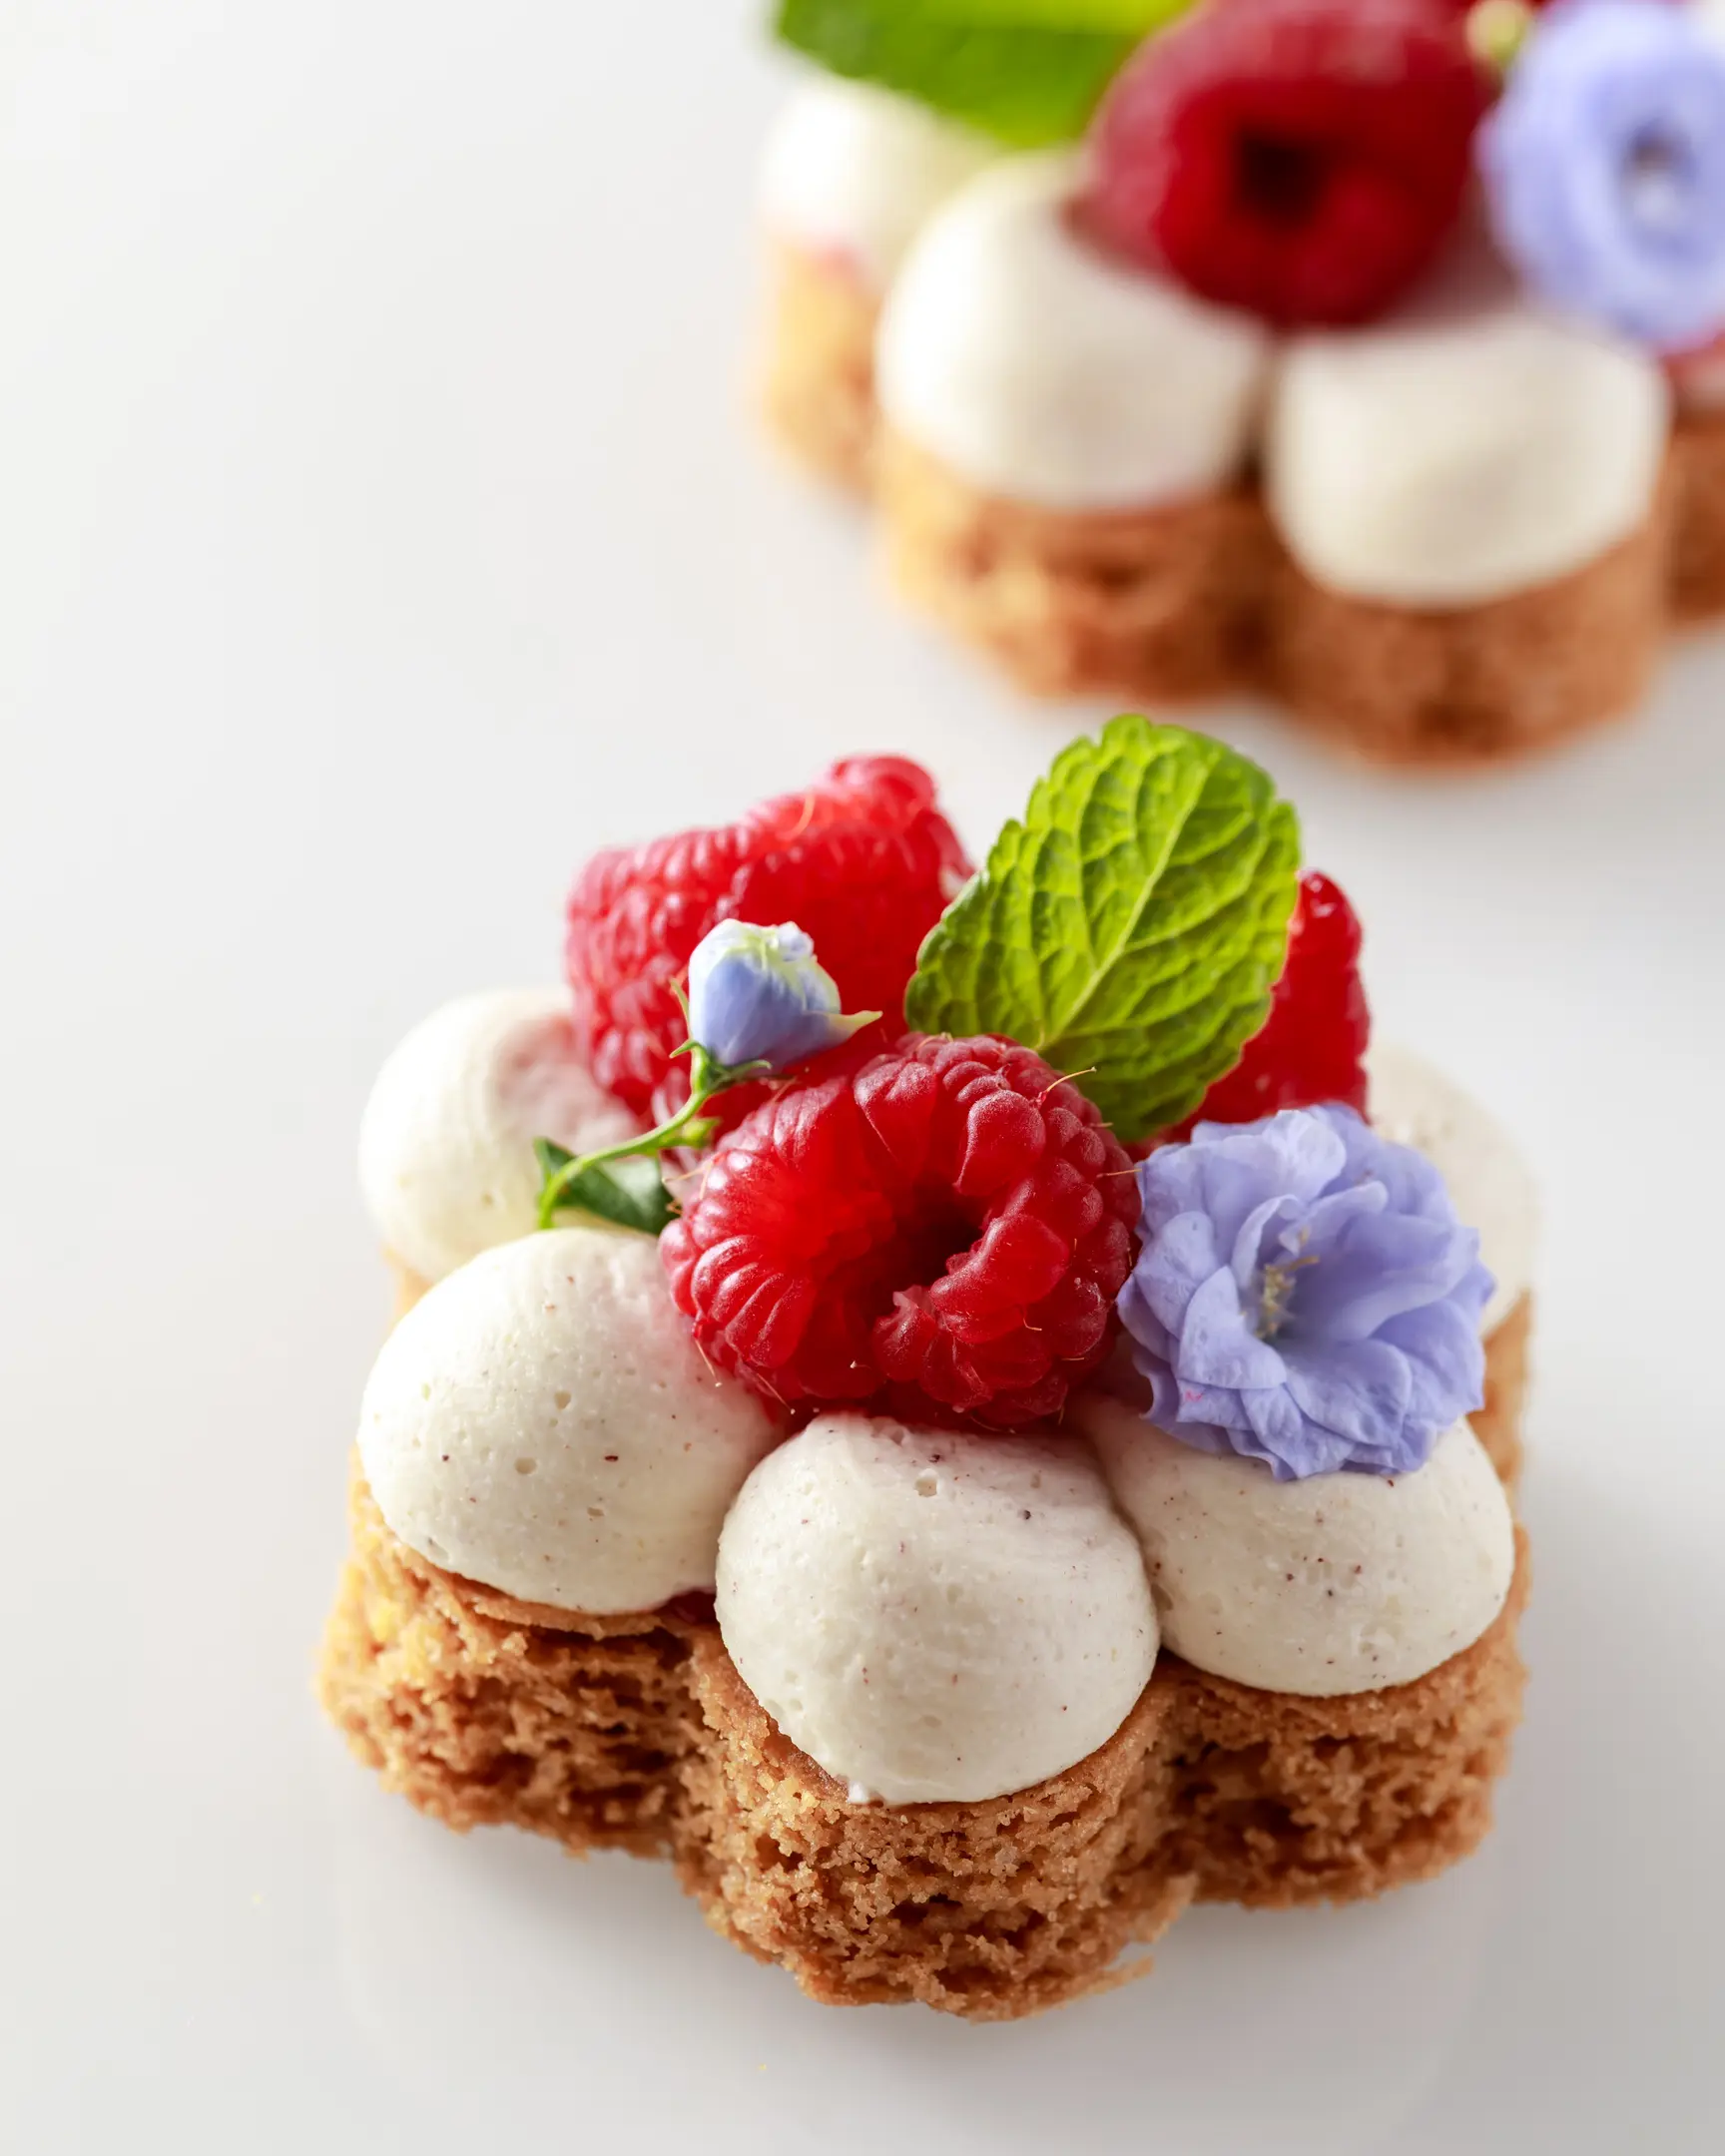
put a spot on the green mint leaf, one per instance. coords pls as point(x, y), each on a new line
point(626, 1193)
point(1131, 927)
point(1126, 18)
point(1030, 72)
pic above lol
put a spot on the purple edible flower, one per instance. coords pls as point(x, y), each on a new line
point(1604, 168)
point(1305, 1296)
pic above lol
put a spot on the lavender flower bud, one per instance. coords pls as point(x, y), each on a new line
point(758, 995)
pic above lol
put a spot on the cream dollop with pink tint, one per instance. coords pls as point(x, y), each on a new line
point(853, 174)
point(446, 1162)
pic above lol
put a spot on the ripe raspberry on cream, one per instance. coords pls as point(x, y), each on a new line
point(1037, 368)
point(934, 1618)
point(1333, 1584)
point(863, 861)
point(851, 173)
point(1415, 1104)
point(944, 1231)
point(1473, 446)
point(447, 1159)
point(541, 1423)
point(1303, 158)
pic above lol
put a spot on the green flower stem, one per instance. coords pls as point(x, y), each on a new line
point(707, 1079)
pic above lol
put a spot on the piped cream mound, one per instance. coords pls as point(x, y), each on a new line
point(543, 1424)
point(446, 1162)
point(1333, 1584)
point(1415, 1104)
point(1468, 448)
point(1035, 369)
point(853, 174)
point(934, 1618)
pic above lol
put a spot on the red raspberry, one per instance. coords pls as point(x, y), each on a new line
point(1310, 1049)
point(1301, 159)
point(942, 1232)
point(863, 860)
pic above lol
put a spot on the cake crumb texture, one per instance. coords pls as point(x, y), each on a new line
point(636, 1733)
point(1698, 570)
point(820, 374)
point(1160, 603)
point(992, 1910)
point(484, 1711)
point(1474, 684)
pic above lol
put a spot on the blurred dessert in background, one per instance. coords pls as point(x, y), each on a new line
point(1362, 351)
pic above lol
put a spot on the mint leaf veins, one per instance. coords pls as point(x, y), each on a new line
point(1131, 929)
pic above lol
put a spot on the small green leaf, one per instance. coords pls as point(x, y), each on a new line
point(1030, 72)
point(1131, 927)
point(626, 1193)
point(1126, 18)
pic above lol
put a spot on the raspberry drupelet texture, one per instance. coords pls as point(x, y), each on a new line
point(1299, 159)
point(942, 1232)
point(1311, 1048)
point(863, 860)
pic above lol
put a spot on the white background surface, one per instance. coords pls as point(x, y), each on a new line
point(380, 528)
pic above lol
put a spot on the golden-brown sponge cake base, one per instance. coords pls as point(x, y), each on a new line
point(1480, 684)
point(1163, 603)
point(820, 372)
point(1187, 601)
point(636, 1733)
point(1698, 573)
point(1194, 600)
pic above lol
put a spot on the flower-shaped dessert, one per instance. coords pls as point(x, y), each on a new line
point(1318, 345)
point(779, 1505)
point(1305, 1296)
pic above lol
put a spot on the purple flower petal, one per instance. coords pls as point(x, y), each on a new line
point(1604, 168)
point(1185, 1257)
point(1216, 1345)
point(1384, 1266)
point(1305, 1296)
point(1358, 1389)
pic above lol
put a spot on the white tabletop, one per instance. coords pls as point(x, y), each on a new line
point(381, 528)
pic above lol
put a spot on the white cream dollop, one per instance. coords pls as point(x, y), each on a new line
point(542, 1422)
point(446, 1162)
point(855, 173)
point(1338, 1583)
point(1413, 1103)
point(1037, 368)
point(1469, 447)
point(934, 1618)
